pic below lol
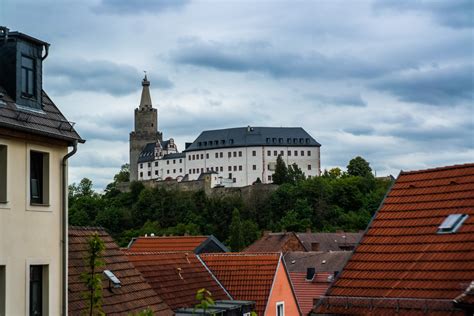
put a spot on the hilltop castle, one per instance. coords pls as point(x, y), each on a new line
point(233, 157)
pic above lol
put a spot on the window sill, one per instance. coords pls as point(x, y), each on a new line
point(40, 204)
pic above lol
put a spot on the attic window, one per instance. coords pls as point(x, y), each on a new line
point(27, 77)
point(113, 280)
point(452, 223)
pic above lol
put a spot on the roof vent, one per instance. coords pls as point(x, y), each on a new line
point(152, 235)
point(310, 273)
point(452, 223)
point(113, 280)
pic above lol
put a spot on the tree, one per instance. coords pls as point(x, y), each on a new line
point(280, 175)
point(92, 279)
point(123, 175)
point(295, 174)
point(359, 167)
point(236, 240)
point(205, 299)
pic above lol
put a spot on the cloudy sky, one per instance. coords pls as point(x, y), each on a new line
point(391, 81)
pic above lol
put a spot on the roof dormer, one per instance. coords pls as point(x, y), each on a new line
point(21, 68)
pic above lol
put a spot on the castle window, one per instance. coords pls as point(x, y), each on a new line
point(167, 171)
point(268, 140)
point(180, 160)
point(309, 152)
point(309, 167)
point(199, 144)
point(230, 168)
point(149, 165)
point(141, 166)
point(295, 140)
point(307, 140)
point(240, 154)
point(269, 153)
point(231, 141)
point(254, 167)
point(254, 153)
point(156, 163)
point(174, 170)
point(280, 140)
point(141, 174)
point(302, 153)
point(230, 175)
point(180, 170)
point(167, 162)
point(174, 161)
point(282, 153)
point(274, 140)
point(149, 173)
point(229, 154)
point(288, 140)
point(202, 170)
point(275, 153)
point(301, 140)
point(222, 169)
point(207, 168)
point(27, 77)
point(202, 156)
point(3, 178)
point(269, 178)
point(207, 156)
point(217, 155)
point(205, 143)
point(216, 142)
point(235, 154)
point(190, 171)
point(289, 152)
point(240, 168)
point(235, 168)
point(234, 180)
point(156, 172)
point(221, 154)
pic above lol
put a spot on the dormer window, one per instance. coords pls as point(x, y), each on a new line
point(27, 77)
point(452, 223)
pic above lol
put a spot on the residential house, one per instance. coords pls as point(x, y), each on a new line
point(193, 244)
point(34, 141)
point(276, 242)
point(416, 257)
point(312, 273)
point(125, 291)
point(261, 277)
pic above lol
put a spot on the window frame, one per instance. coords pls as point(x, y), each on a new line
point(4, 175)
point(46, 276)
point(278, 304)
point(29, 72)
point(44, 204)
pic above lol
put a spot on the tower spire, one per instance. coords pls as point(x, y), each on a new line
point(145, 101)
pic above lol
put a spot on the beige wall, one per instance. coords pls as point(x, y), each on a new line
point(282, 292)
point(30, 234)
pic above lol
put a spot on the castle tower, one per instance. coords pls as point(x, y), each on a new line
point(146, 128)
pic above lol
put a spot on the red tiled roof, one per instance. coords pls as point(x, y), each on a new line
point(176, 277)
point(166, 243)
point(467, 298)
point(134, 295)
point(307, 291)
point(247, 276)
point(402, 255)
point(276, 242)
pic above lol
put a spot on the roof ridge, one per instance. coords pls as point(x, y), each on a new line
point(200, 236)
point(141, 253)
point(86, 228)
point(456, 166)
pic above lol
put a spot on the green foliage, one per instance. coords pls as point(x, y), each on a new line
point(145, 312)
point(123, 175)
point(204, 297)
point(359, 167)
point(280, 175)
point(92, 277)
point(331, 202)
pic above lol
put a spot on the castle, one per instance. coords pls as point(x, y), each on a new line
point(233, 157)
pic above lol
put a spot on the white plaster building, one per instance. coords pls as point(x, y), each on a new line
point(34, 141)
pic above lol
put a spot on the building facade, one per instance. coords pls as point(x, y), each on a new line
point(235, 157)
point(34, 141)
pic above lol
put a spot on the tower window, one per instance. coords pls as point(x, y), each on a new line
point(27, 77)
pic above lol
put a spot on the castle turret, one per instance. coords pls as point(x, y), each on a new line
point(146, 128)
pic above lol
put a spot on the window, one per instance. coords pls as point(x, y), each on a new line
point(149, 173)
point(240, 154)
point(268, 140)
point(180, 170)
point(189, 157)
point(3, 292)
point(167, 162)
point(156, 172)
point(280, 309)
point(38, 290)
point(141, 174)
point(289, 152)
point(174, 161)
point(202, 170)
point(240, 168)
point(229, 154)
point(254, 167)
point(275, 153)
point(222, 169)
point(156, 163)
point(309, 167)
point(190, 171)
point(27, 77)
point(141, 166)
point(167, 171)
point(174, 170)
point(217, 155)
point(39, 177)
point(180, 160)
point(230, 175)
point(280, 140)
point(296, 153)
point(202, 156)
point(282, 153)
point(254, 153)
point(234, 180)
point(221, 154)
point(452, 223)
point(269, 153)
point(230, 168)
point(149, 165)
point(231, 141)
point(207, 156)
point(309, 152)
point(269, 178)
point(235, 154)
point(235, 168)
point(3, 177)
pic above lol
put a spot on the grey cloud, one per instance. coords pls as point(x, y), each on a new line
point(435, 86)
point(66, 76)
point(340, 99)
point(452, 13)
point(138, 6)
point(264, 58)
point(110, 127)
point(360, 130)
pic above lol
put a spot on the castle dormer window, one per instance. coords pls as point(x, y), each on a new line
point(27, 77)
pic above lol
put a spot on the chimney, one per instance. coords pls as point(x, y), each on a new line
point(310, 273)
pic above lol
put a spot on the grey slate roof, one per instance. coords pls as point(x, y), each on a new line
point(50, 122)
point(330, 241)
point(253, 136)
point(299, 261)
point(148, 153)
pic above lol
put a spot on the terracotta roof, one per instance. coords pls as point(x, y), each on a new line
point(402, 255)
point(466, 298)
point(134, 295)
point(176, 277)
point(330, 241)
point(172, 243)
point(307, 292)
point(299, 261)
point(49, 122)
point(247, 276)
point(276, 242)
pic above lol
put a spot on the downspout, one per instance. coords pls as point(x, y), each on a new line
point(64, 224)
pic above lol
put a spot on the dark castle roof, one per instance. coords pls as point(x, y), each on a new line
point(148, 153)
point(253, 136)
point(49, 121)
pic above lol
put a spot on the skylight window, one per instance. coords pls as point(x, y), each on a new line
point(452, 223)
point(113, 280)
